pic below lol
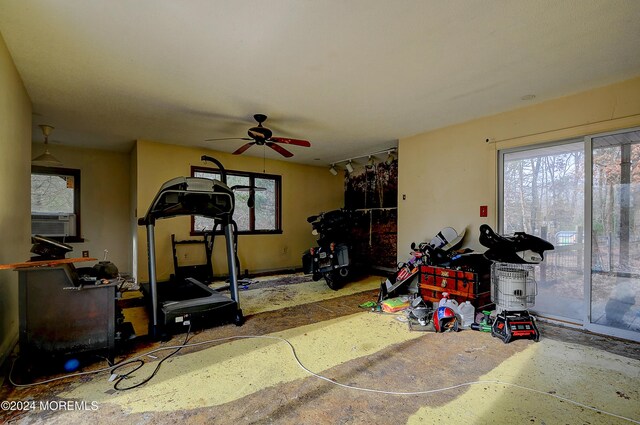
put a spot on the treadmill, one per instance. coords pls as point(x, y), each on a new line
point(193, 302)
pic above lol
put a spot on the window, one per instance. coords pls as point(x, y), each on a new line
point(257, 210)
point(55, 203)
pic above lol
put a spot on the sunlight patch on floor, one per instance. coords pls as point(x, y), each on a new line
point(583, 374)
point(233, 370)
point(268, 299)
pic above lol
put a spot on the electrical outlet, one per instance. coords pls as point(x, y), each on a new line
point(85, 254)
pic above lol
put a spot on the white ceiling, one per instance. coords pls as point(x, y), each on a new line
point(351, 76)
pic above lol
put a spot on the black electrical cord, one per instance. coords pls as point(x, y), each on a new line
point(142, 363)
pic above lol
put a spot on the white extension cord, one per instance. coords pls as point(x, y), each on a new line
point(324, 378)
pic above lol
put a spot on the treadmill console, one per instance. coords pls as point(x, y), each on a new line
point(191, 196)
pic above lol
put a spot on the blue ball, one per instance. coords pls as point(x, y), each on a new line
point(71, 365)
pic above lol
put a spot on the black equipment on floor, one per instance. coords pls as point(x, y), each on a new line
point(64, 315)
point(333, 258)
point(61, 316)
point(513, 285)
point(192, 196)
point(514, 324)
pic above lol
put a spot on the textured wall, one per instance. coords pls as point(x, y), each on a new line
point(447, 174)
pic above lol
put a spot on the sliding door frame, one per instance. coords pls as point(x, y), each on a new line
point(588, 218)
point(587, 225)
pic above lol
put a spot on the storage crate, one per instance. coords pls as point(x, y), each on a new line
point(461, 285)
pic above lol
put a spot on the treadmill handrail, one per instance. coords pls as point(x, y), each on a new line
point(223, 171)
point(152, 215)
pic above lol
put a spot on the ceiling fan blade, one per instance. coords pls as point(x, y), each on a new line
point(228, 138)
point(296, 142)
point(243, 148)
point(282, 151)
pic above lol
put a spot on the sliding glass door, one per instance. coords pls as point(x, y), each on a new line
point(542, 193)
point(584, 197)
point(615, 233)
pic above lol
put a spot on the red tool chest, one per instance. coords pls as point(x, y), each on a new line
point(461, 286)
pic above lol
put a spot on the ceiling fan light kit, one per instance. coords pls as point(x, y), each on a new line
point(46, 159)
point(262, 136)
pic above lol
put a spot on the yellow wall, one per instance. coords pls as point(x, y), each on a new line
point(306, 190)
point(15, 170)
point(447, 174)
point(105, 202)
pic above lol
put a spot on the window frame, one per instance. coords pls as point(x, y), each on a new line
point(75, 173)
point(277, 179)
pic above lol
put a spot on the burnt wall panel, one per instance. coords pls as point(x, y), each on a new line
point(374, 193)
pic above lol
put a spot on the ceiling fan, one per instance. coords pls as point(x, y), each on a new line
point(263, 136)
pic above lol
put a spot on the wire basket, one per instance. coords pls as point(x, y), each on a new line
point(513, 286)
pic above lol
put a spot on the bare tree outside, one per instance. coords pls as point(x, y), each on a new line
point(615, 293)
point(265, 204)
point(51, 193)
point(264, 201)
point(543, 195)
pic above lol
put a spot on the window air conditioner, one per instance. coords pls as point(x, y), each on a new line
point(53, 224)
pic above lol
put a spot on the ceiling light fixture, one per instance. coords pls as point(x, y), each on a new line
point(371, 162)
point(349, 167)
point(390, 158)
point(350, 162)
point(46, 159)
point(333, 170)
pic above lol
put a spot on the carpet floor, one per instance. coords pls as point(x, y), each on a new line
point(308, 354)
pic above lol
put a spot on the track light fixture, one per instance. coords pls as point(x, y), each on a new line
point(349, 167)
point(390, 158)
point(371, 162)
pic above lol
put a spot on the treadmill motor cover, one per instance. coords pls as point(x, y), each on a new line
point(192, 196)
